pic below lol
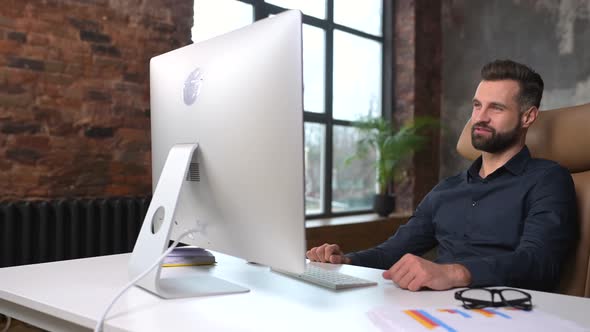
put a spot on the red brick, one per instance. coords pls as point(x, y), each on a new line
point(18, 76)
point(39, 143)
point(38, 39)
point(9, 47)
point(6, 21)
point(5, 165)
point(16, 100)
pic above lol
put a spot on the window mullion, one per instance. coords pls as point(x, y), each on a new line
point(260, 10)
point(329, 105)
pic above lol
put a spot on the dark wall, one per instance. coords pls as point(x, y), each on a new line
point(553, 37)
point(74, 93)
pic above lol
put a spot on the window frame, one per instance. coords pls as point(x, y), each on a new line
point(262, 10)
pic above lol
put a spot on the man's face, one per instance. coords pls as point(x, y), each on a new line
point(496, 123)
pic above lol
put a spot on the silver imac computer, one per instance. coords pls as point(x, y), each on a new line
point(227, 154)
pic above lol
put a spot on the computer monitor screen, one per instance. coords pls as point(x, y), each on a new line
point(239, 98)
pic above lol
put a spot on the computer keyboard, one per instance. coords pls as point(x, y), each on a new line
point(329, 278)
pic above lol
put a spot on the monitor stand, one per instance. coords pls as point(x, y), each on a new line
point(154, 236)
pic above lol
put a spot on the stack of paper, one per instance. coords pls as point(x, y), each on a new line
point(186, 256)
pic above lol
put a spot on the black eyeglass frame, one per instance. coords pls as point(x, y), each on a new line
point(524, 303)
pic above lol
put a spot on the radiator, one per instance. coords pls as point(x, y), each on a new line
point(45, 231)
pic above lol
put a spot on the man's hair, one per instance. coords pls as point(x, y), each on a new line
point(531, 83)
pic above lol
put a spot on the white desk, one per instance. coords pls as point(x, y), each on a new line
point(70, 296)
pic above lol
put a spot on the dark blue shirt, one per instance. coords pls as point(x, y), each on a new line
point(512, 228)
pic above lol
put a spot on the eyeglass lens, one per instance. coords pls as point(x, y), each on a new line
point(512, 295)
point(477, 295)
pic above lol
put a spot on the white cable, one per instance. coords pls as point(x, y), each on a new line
point(7, 326)
point(99, 324)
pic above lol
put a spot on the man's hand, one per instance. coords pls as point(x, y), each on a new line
point(327, 253)
point(413, 273)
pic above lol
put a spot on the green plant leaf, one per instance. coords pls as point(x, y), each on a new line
point(391, 146)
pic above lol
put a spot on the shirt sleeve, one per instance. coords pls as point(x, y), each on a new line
point(548, 232)
point(416, 237)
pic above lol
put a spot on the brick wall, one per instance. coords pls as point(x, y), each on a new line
point(74, 93)
point(418, 67)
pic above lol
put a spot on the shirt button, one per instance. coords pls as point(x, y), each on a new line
point(474, 203)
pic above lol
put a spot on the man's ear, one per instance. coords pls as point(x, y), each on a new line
point(529, 116)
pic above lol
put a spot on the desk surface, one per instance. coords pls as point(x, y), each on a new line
point(69, 295)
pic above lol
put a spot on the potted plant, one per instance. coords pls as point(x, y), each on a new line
point(391, 146)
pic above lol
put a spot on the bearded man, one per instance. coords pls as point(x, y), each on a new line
point(508, 220)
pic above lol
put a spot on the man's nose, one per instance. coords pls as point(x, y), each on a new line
point(481, 116)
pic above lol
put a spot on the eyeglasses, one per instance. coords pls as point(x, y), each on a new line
point(477, 298)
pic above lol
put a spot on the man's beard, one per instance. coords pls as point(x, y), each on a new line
point(497, 142)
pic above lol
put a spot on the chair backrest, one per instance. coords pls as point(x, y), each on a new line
point(562, 135)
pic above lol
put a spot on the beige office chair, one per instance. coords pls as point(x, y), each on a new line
point(562, 135)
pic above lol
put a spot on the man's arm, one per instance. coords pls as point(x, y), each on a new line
point(549, 231)
point(416, 237)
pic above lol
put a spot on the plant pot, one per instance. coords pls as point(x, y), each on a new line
point(383, 205)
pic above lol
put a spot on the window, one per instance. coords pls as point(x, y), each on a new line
point(346, 74)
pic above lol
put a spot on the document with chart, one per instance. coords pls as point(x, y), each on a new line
point(457, 319)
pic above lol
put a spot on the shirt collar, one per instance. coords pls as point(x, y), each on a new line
point(515, 165)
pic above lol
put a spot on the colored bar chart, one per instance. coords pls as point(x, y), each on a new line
point(491, 313)
point(455, 311)
point(427, 320)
